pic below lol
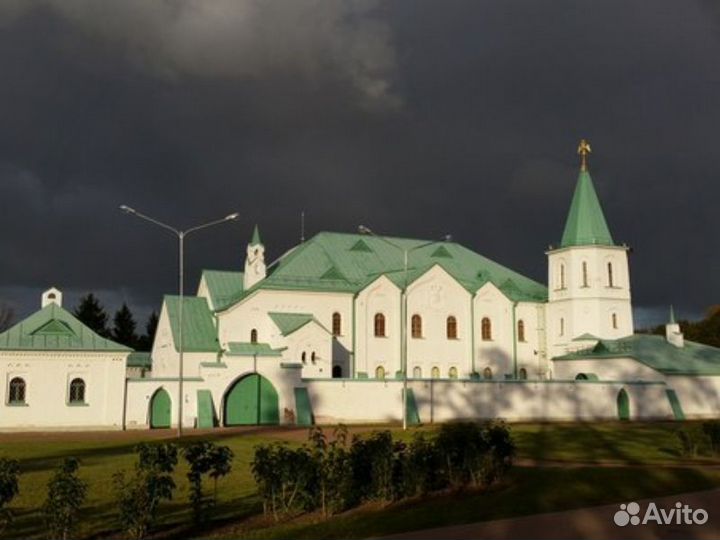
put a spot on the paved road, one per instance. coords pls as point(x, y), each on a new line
point(588, 523)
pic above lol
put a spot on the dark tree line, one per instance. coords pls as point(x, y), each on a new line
point(705, 331)
point(122, 328)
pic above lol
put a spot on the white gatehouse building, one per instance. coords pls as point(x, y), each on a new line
point(329, 331)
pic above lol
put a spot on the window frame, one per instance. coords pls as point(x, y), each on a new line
point(336, 324)
point(451, 327)
point(379, 322)
point(83, 385)
point(11, 389)
point(416, 326)
point(486, 329)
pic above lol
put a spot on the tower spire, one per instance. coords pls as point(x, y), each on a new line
point(672, 314)
point(583, 151)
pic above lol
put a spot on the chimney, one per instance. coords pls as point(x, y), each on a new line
point(673, 335)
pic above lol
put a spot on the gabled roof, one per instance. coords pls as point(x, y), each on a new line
point(288, 323)
point(338, 262)
point(655, 352)
point(237, 348)
point(55, 329)
point(223, 287)
point(199, 333)
point(586, 223)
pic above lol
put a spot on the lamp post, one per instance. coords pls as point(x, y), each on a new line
point(362, 229)
point(181, 271)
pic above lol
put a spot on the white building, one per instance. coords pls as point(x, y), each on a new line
point(324, 334)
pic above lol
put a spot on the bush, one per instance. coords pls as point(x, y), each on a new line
point(205, 457)
point(333, 476)
point(711, 429)
point(66, 494)
point(9, 472)
point(420, 467)
point(284, 477)
point(688, 442)
point(139, 496)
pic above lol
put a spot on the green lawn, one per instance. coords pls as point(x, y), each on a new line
point(528, 489)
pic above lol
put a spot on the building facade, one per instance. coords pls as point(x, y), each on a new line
point(330, 331)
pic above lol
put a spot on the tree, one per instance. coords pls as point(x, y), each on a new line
point(92, 314)
point(124, 327)
point(139, 496)
point(7, 315)
point(145, 342)
point(66, 494)
point(9, 472)
point(205, 457)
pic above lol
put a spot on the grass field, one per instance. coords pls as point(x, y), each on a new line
point(560, 466)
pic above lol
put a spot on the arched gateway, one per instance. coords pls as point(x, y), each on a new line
point(251, 400)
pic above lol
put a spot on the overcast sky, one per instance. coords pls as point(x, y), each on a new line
point(416, 118)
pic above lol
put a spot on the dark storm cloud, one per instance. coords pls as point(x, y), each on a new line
point(416, 118)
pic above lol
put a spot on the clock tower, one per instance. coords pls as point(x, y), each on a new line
point(254, 261)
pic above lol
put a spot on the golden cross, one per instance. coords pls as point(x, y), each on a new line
point(584, 149)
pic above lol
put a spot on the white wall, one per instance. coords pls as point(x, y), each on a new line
point(698, 396)
point(607, 369)
point(47, 377)
point(337, 401)
point(381, 296)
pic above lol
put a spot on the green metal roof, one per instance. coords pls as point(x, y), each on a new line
point(338, 262)
point(199, 333)
point(54, 329)
point(657, 353)
point(586, 223)
point(223, 287)
point(139, 359)
point(237, 348)
point(290, 322)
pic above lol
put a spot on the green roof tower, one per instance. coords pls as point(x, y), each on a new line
point(585, 223)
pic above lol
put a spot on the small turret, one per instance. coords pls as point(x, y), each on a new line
point(51, 296)
point(255, 269)
point(672, 331)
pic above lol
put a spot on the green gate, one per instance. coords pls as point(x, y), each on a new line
point(251, 400)
point(160, 409)
point(623, 405)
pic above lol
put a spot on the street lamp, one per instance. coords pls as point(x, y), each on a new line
point(181, 244)
point(362, 229)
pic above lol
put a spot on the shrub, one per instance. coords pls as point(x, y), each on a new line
point(284, 477)
point(463, 450)
point(205, 457)
point(502, 450)
point(372, 462)
point(9, 472)
point(688, 442)
point(420, 467)
point(66, 494)
point(711, 429)
point(333, 468)
point(139, 496)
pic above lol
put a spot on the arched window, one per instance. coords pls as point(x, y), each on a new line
point(379, 325)
point(312, 358)
point(614, 321)
point(523, 373)
point(451, 327)
point(416, 326)
point(337, 372)
point(77, 391)
point(380, 372)
point(486, 329)
point(562, 326)
point(17, 390)
point(435, 372)
point(584, 274)
point(487, 373)
point(521, 330)
point(336, 324)
point(253, 336)
point(417, 372)
point(610, 275)
point(562, 276)
point(453, 373)
point(303, 357)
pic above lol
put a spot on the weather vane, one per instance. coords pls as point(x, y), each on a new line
point(583, 150)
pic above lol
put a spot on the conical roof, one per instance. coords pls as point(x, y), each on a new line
point(255, 237)
point(586, 223)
